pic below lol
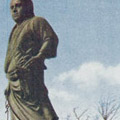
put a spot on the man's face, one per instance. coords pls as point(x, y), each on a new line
point(17, 10)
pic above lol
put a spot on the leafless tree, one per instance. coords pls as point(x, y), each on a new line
point(79, 117)
point(108, 108)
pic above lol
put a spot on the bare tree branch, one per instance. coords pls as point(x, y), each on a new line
point(81, 115)
point(108, 108)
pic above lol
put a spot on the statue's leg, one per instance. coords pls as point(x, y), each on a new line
point(13, 116)
point(46, 106)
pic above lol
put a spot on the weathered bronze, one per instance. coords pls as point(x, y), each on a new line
point(32, 40)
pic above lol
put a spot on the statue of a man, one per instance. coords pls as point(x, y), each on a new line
point(32, 40)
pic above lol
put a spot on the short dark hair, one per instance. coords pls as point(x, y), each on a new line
point(28, 4)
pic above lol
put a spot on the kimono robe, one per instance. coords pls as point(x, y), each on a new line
point(27, 94)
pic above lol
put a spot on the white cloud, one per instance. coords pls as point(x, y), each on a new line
point(92, 75)
point(84, 86)
point(62, 95)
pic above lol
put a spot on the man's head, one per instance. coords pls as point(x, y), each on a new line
point(21, 9)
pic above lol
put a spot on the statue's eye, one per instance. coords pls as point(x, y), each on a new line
point(18, 5)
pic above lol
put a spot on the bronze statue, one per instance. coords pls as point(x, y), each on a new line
point(32, 40)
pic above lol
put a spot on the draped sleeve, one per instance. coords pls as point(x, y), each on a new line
point(46, 36)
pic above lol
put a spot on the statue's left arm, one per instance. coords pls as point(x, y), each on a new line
point(49, 42)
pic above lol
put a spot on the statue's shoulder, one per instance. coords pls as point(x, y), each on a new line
point(36, 23)
point(37, 19)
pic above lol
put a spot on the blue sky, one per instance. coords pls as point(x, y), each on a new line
point(88, 61)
